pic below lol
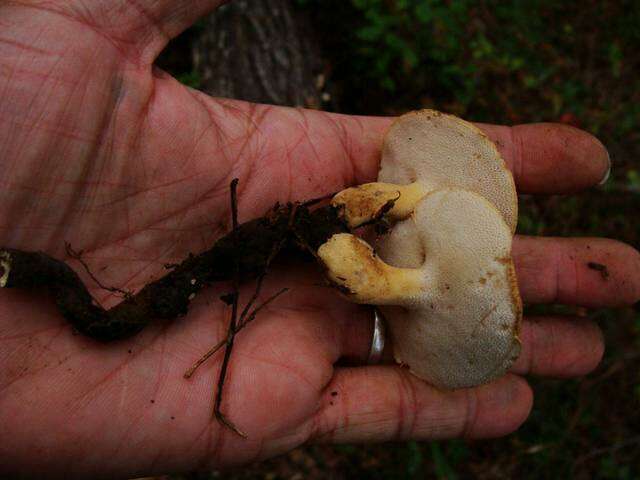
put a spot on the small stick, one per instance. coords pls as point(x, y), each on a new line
point(217, 412)
point(189, 373)
point(274, 251)
point(225, 362)
point(236, 324)
point(242, 322)
point(256, 310)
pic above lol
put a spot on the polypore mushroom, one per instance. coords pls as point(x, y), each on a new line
point(445, 277)
point(454, 317)
point(424, 151)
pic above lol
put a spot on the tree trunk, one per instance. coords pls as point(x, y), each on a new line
point(260, 51)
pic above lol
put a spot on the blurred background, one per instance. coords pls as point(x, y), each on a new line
point(501, 62)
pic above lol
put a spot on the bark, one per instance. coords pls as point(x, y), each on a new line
point(260, 51)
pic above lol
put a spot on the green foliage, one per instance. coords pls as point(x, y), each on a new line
point(508, 62)
point(445, 459)
point(611, 469)
point(190, 79)
point(415, 37)
point(414, 459)
point(529, 223)
point(633, 178)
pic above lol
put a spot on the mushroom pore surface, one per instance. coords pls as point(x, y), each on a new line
point(446, 284)
point(464, 330)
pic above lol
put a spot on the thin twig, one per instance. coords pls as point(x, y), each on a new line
point(217, 412)
point(274, 251)
point(251, 301)
point(255, 312)
point(245, 318)
point(259, 281)
point(247, 315)
point(77, 255)
point(189, 373)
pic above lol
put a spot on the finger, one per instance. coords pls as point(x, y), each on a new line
point(158, 21)
point(388, 403)
point(342, 150)
point(291, 154)
point(544, 158)
point(551, 346)
point(551, 158)
point(559, 347)
point(591, 272)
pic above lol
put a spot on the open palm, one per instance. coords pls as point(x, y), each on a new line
point(102, 150)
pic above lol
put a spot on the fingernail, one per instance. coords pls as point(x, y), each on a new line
point(608, 172)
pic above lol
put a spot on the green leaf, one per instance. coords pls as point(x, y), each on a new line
point(190, 79)
point(370, 33)
point(442, 468)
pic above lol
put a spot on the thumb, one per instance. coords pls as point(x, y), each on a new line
point(138, 28)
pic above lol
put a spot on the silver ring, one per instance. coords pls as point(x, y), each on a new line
point(378, 339)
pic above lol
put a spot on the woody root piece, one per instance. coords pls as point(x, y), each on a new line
point(444, 277)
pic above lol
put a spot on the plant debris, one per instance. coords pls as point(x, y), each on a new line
point(604, 271)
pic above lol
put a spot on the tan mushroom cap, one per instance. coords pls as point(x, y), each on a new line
point(439, 151)
point(464, 331)
point(447, 285)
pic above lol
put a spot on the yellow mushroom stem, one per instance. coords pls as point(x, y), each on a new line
point(352, 264)
point(366, 202)
point(5, 268)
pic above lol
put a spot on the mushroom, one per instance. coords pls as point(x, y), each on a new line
point(455, 317)
point(445, 278)
point(424, 151)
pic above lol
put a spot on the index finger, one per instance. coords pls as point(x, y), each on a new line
point(551, 158)
point(545, 158)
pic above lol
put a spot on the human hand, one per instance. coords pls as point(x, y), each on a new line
point(103, 151)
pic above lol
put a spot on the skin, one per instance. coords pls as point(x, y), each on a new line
point(104, 151)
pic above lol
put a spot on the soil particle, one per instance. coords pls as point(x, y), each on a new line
point(604, 271)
